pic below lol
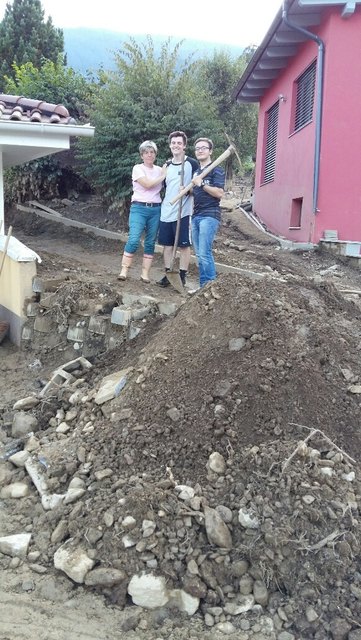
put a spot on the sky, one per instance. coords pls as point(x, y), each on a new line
point(242, 22)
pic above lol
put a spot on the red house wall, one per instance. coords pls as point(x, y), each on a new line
point(340, 175)
point(339, 201)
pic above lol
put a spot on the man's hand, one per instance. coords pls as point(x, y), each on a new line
point(197, 181)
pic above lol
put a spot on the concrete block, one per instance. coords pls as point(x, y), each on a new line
point(121, 316)
point(59, 379)
point(48, 300)
point(98, 324)
point(37, 285)
point(40, 285)
point(44, 324)
point(129, 299)
point(167, 308)
point(32, 309)
point(27, 332)
point(78, 363)
point(76, 334)
point(141, 312)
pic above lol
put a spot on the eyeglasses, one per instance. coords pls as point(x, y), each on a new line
point(201, 148)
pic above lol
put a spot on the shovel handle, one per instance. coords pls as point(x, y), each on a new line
point(6, 248)
point(205, 172)
point(177, 231)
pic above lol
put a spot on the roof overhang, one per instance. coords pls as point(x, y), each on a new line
point(281, 43)
point(24, 141)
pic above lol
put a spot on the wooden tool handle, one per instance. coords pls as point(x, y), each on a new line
point(6, 248)
point(205, 172)
point(178, 220)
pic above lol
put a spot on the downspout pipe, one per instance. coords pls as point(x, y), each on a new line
point(319, 99)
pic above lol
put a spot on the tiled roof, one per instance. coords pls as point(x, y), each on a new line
point(20, 109)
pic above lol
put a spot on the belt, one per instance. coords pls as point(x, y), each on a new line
point(147, 204)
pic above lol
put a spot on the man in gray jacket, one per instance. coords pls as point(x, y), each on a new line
point(169, 213)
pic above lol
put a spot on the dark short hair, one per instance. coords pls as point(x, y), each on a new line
point(178, 134)
point(207, 140)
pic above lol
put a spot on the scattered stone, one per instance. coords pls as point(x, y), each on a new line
point(217, 463)
point(73, 561)
point(148, 591)
point(217, 531)
point(26, 403)
point(15, 490)
point(236, 344)
point(104, 577)
point(23, 424)
point(16, 545)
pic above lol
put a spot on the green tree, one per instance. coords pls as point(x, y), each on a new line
point(218, 75)
point(26, 37)
point(147, 96)
point(53, 175)
point(52, 82)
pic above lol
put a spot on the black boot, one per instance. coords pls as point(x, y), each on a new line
point(183, 276)
point(164, 282)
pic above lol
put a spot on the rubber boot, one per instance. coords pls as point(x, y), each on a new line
point(147, 263)
point(126, 264)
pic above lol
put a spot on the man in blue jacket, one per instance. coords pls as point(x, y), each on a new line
point(206, 217)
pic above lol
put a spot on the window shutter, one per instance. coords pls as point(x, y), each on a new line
point(305, 97)
point(271, 143)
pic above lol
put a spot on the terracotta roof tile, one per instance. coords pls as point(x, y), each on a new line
point(23, 109)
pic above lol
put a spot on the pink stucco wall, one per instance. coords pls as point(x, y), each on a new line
point(339, 202)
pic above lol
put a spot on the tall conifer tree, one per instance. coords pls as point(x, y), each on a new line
point(26, 37)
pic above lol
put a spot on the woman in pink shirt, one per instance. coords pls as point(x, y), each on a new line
point(145, 209)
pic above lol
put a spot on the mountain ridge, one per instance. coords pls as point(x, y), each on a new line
point(88, 50)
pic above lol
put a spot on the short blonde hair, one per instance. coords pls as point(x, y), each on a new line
point(148, 144)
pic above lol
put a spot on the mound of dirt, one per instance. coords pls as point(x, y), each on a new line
point(195, 473)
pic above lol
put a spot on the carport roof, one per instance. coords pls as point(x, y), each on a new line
point(281, 43)
point(31, 129)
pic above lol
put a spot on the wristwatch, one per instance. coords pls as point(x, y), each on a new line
point(203, 183)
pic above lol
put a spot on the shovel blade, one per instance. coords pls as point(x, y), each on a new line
point(175, 280)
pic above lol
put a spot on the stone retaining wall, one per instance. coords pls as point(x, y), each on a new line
point(86, 332)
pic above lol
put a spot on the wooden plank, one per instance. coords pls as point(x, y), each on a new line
point(34, 203)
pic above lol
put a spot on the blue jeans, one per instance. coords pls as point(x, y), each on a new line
point(142, 218)
point(204, 229)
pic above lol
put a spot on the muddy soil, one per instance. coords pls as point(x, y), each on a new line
point(247, 368)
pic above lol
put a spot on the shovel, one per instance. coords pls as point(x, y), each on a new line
point(10, 230)
point(173, 275)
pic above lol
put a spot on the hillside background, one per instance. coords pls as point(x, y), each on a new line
point(89, 49)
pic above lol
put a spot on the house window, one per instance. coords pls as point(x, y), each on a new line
point(296, 213)
point(271, 144)
point(305, 97)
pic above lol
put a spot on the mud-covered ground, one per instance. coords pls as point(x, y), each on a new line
point(217, 398)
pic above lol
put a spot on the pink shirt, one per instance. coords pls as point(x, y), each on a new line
point(141, 194)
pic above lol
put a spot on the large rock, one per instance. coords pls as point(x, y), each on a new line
point(23, 424)
point(148, 591)
point(217, 531)
point(26, 403)
point(104, 577)
point(73, 561)
point(16, 545)
point(15, 490)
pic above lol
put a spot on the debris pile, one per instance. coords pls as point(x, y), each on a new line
point(216, 477)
